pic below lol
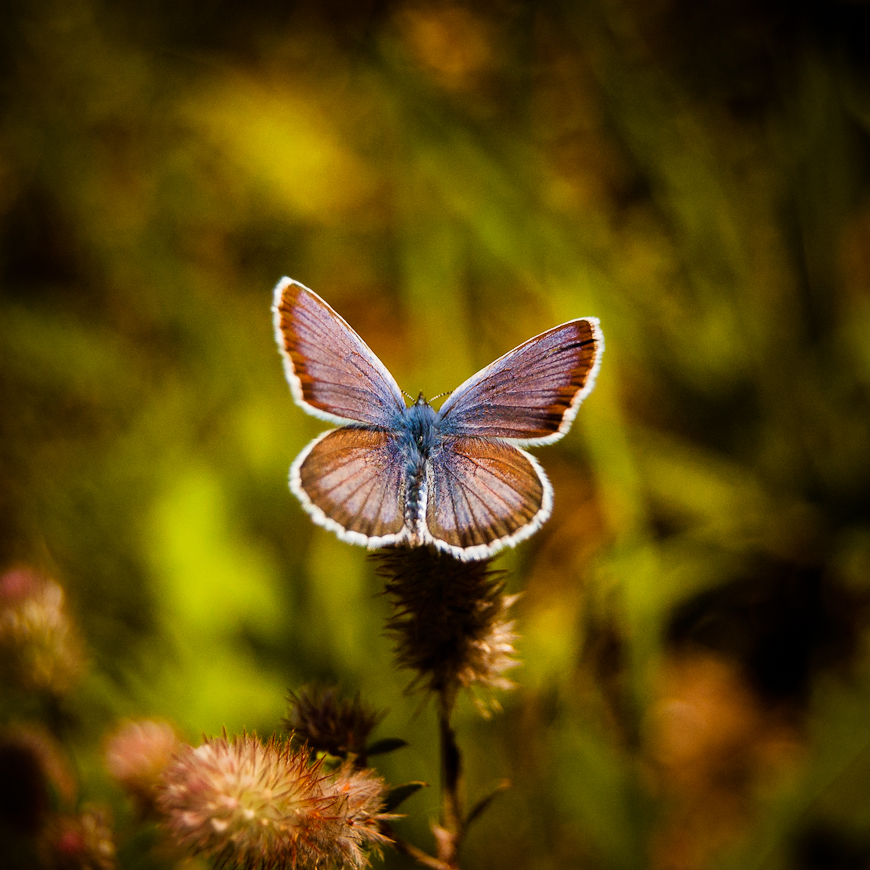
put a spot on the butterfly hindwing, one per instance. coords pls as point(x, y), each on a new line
point(351, 480)
point(332, 372)
point(483, 495)
point(531, 394)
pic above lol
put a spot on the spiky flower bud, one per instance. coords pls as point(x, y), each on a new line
point(325, 722)
point(137, 754)
point(39, 646)
point(253, 805)
point(450, 621)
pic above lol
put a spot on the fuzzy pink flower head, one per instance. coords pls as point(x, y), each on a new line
point(249, 804)
point(361, 796)
point(137, 754)
point(39, 646)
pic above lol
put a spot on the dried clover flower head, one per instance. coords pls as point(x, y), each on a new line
point(39, 646)
point(449, 621)
point(81, 842)
point(325, 722)
point(137, 754)
point(252, 805)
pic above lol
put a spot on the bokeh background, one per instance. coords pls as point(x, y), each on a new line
point(455, 178)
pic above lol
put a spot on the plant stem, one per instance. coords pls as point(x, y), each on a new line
point(451, 826)
point(421, 857)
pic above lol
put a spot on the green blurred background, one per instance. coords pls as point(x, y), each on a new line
point(453, 179)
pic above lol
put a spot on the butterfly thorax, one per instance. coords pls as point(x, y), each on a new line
point(419, 430)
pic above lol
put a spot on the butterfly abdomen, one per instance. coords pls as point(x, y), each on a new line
point(419, 439)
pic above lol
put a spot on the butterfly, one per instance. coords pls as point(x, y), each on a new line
point(455, 478)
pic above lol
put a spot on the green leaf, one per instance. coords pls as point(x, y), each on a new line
point(388, 744)
point(401, 793)
point(485, 801)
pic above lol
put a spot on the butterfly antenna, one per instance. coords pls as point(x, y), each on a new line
point(412, 400)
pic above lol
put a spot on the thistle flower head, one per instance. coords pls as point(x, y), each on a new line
point(136, 756)
point(39, 646)
point(254, 805)
point(450, 621)
point(325, 722)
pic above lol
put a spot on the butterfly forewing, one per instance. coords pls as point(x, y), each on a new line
point(351, 480)
point(483, 495)
point(531, 394)
point(331, 370)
